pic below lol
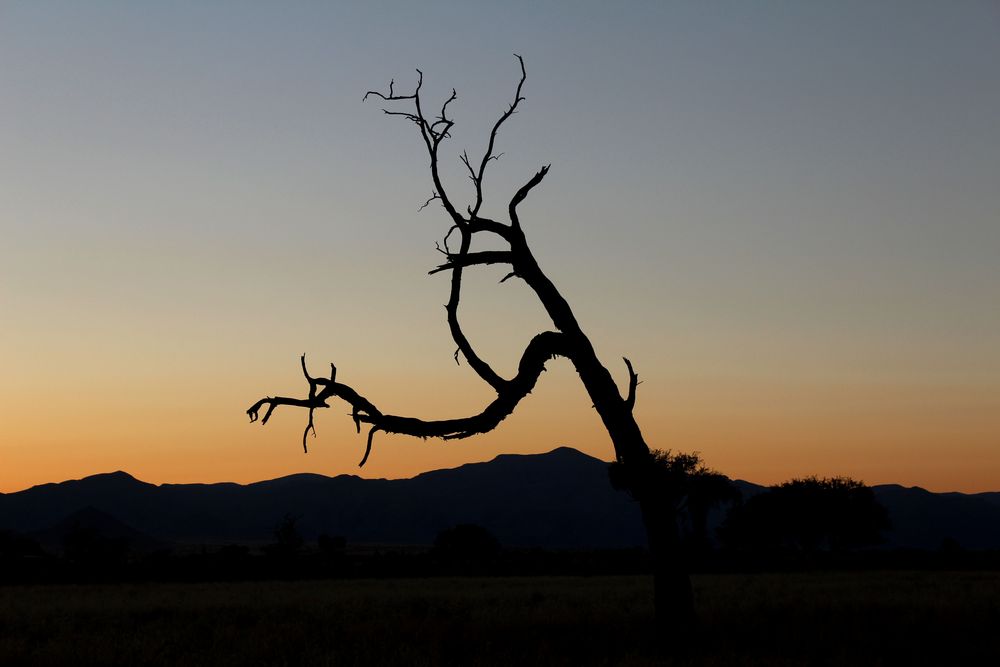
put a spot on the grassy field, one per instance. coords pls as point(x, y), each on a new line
point(771, 619)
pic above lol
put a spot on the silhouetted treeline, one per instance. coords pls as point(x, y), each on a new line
point(810, 514)
point(803, 524)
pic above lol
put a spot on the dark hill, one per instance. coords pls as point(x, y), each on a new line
point(924, 520)
point(561, 499)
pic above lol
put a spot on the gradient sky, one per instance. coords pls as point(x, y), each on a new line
point(787, 214)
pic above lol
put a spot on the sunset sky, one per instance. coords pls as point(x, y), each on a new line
point(786, 214)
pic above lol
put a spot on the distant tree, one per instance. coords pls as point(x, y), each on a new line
point(467, 541)
point(331, 545)
point(15, 546)
point(809, 514)
point(672, 585)
point(287, 539)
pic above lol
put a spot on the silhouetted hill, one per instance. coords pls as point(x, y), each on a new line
point(923, 520)
point(561, 499)
point(557, 500)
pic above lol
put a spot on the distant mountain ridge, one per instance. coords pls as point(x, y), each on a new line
point(561, 499)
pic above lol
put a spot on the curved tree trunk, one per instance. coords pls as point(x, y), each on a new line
point(672, 593)
point(672, 587)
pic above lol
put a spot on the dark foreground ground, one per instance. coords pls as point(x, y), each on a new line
point(869, 618)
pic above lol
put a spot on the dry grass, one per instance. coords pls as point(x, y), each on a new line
point(779, 619)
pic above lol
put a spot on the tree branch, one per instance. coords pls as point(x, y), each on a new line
point(522, 193)
point(475, 258)
point(432, 137)
point(427, 203)
point(392, 95)
point(488, 155)
point(633, 383)
point(539, 350)
point(476, 363)
point(478, 224)
point(433, 134)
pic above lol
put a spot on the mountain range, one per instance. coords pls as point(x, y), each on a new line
point(561, 499)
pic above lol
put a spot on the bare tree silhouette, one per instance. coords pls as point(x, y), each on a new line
point(672, 586)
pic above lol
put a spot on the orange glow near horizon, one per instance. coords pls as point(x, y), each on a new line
point(764, 434)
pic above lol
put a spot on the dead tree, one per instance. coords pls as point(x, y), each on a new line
point(673, 597)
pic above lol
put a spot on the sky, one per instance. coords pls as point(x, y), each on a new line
point(786, 214)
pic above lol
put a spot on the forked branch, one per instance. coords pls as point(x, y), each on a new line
point(432, 133)
point(539, 350)
point(477, 178)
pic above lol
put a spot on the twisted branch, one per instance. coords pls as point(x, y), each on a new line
point(477, 363)
point(568, 341)
point(539, 350)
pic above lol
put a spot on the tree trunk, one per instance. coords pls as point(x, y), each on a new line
point(673, 597)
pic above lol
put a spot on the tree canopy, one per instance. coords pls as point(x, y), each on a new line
point(809, 514)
